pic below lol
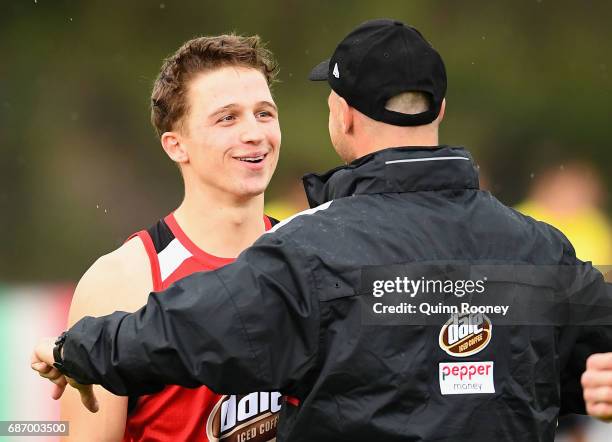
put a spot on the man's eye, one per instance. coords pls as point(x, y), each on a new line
point(226, 118)
point(264, 114)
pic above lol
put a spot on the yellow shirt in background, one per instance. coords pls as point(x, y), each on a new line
point(280, 209)
point(588, 231)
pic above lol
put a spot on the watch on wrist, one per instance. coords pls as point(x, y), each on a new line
point(57, 352)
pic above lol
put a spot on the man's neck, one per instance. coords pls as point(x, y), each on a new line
point(219, 224)
point(396, 137)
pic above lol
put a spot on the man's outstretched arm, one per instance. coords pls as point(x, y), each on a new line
point(253, 324)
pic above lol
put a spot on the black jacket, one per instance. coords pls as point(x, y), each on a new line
point(294, 314)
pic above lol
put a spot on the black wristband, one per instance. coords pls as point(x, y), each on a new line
point(57, 352)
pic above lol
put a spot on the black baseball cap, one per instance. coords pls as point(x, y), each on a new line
point(379, 60)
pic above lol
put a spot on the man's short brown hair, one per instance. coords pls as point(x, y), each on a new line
point(169, 96)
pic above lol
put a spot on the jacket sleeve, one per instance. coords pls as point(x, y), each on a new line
point(589, 331)
point(252, 325)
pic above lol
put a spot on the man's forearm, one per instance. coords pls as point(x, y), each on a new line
point(184, 336)
point(87, 360)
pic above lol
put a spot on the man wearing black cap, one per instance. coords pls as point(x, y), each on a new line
point(399, 307)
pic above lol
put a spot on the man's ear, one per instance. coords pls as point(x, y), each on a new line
point(346, 115)
point(174, 147)
point(442, 110)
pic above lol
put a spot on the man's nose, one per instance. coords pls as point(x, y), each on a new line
point(252, 131)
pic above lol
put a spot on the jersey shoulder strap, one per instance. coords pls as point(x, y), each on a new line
point(273, 221)
point(155, 239)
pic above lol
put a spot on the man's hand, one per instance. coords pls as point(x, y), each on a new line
point(42, 362)
point(597, 386)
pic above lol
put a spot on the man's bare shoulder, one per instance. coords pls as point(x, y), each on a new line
point(120, 280)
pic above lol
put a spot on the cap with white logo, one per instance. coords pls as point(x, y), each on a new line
point(379, 60)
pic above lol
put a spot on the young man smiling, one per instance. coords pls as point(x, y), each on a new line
point(216, 118)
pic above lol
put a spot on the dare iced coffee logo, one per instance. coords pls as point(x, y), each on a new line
point(465, 334)
point(240, 418)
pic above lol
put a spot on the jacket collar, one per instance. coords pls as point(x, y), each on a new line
point(395, 170)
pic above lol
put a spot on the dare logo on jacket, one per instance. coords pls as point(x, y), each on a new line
point(240, 418)
point(465, 334)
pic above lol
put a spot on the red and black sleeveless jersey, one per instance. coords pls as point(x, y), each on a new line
point(185, 414)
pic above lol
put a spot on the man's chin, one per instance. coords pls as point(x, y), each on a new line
point(254, 185)
point(251, 191)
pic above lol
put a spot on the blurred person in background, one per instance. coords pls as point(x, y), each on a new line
point(569, 197)
point(214, 113)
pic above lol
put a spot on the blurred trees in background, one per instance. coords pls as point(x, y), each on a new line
point(529, 87)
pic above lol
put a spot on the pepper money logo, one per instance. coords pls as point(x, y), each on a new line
point(240, 418)
point(465, 334)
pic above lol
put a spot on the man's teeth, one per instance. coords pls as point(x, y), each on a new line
point(252, 159)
